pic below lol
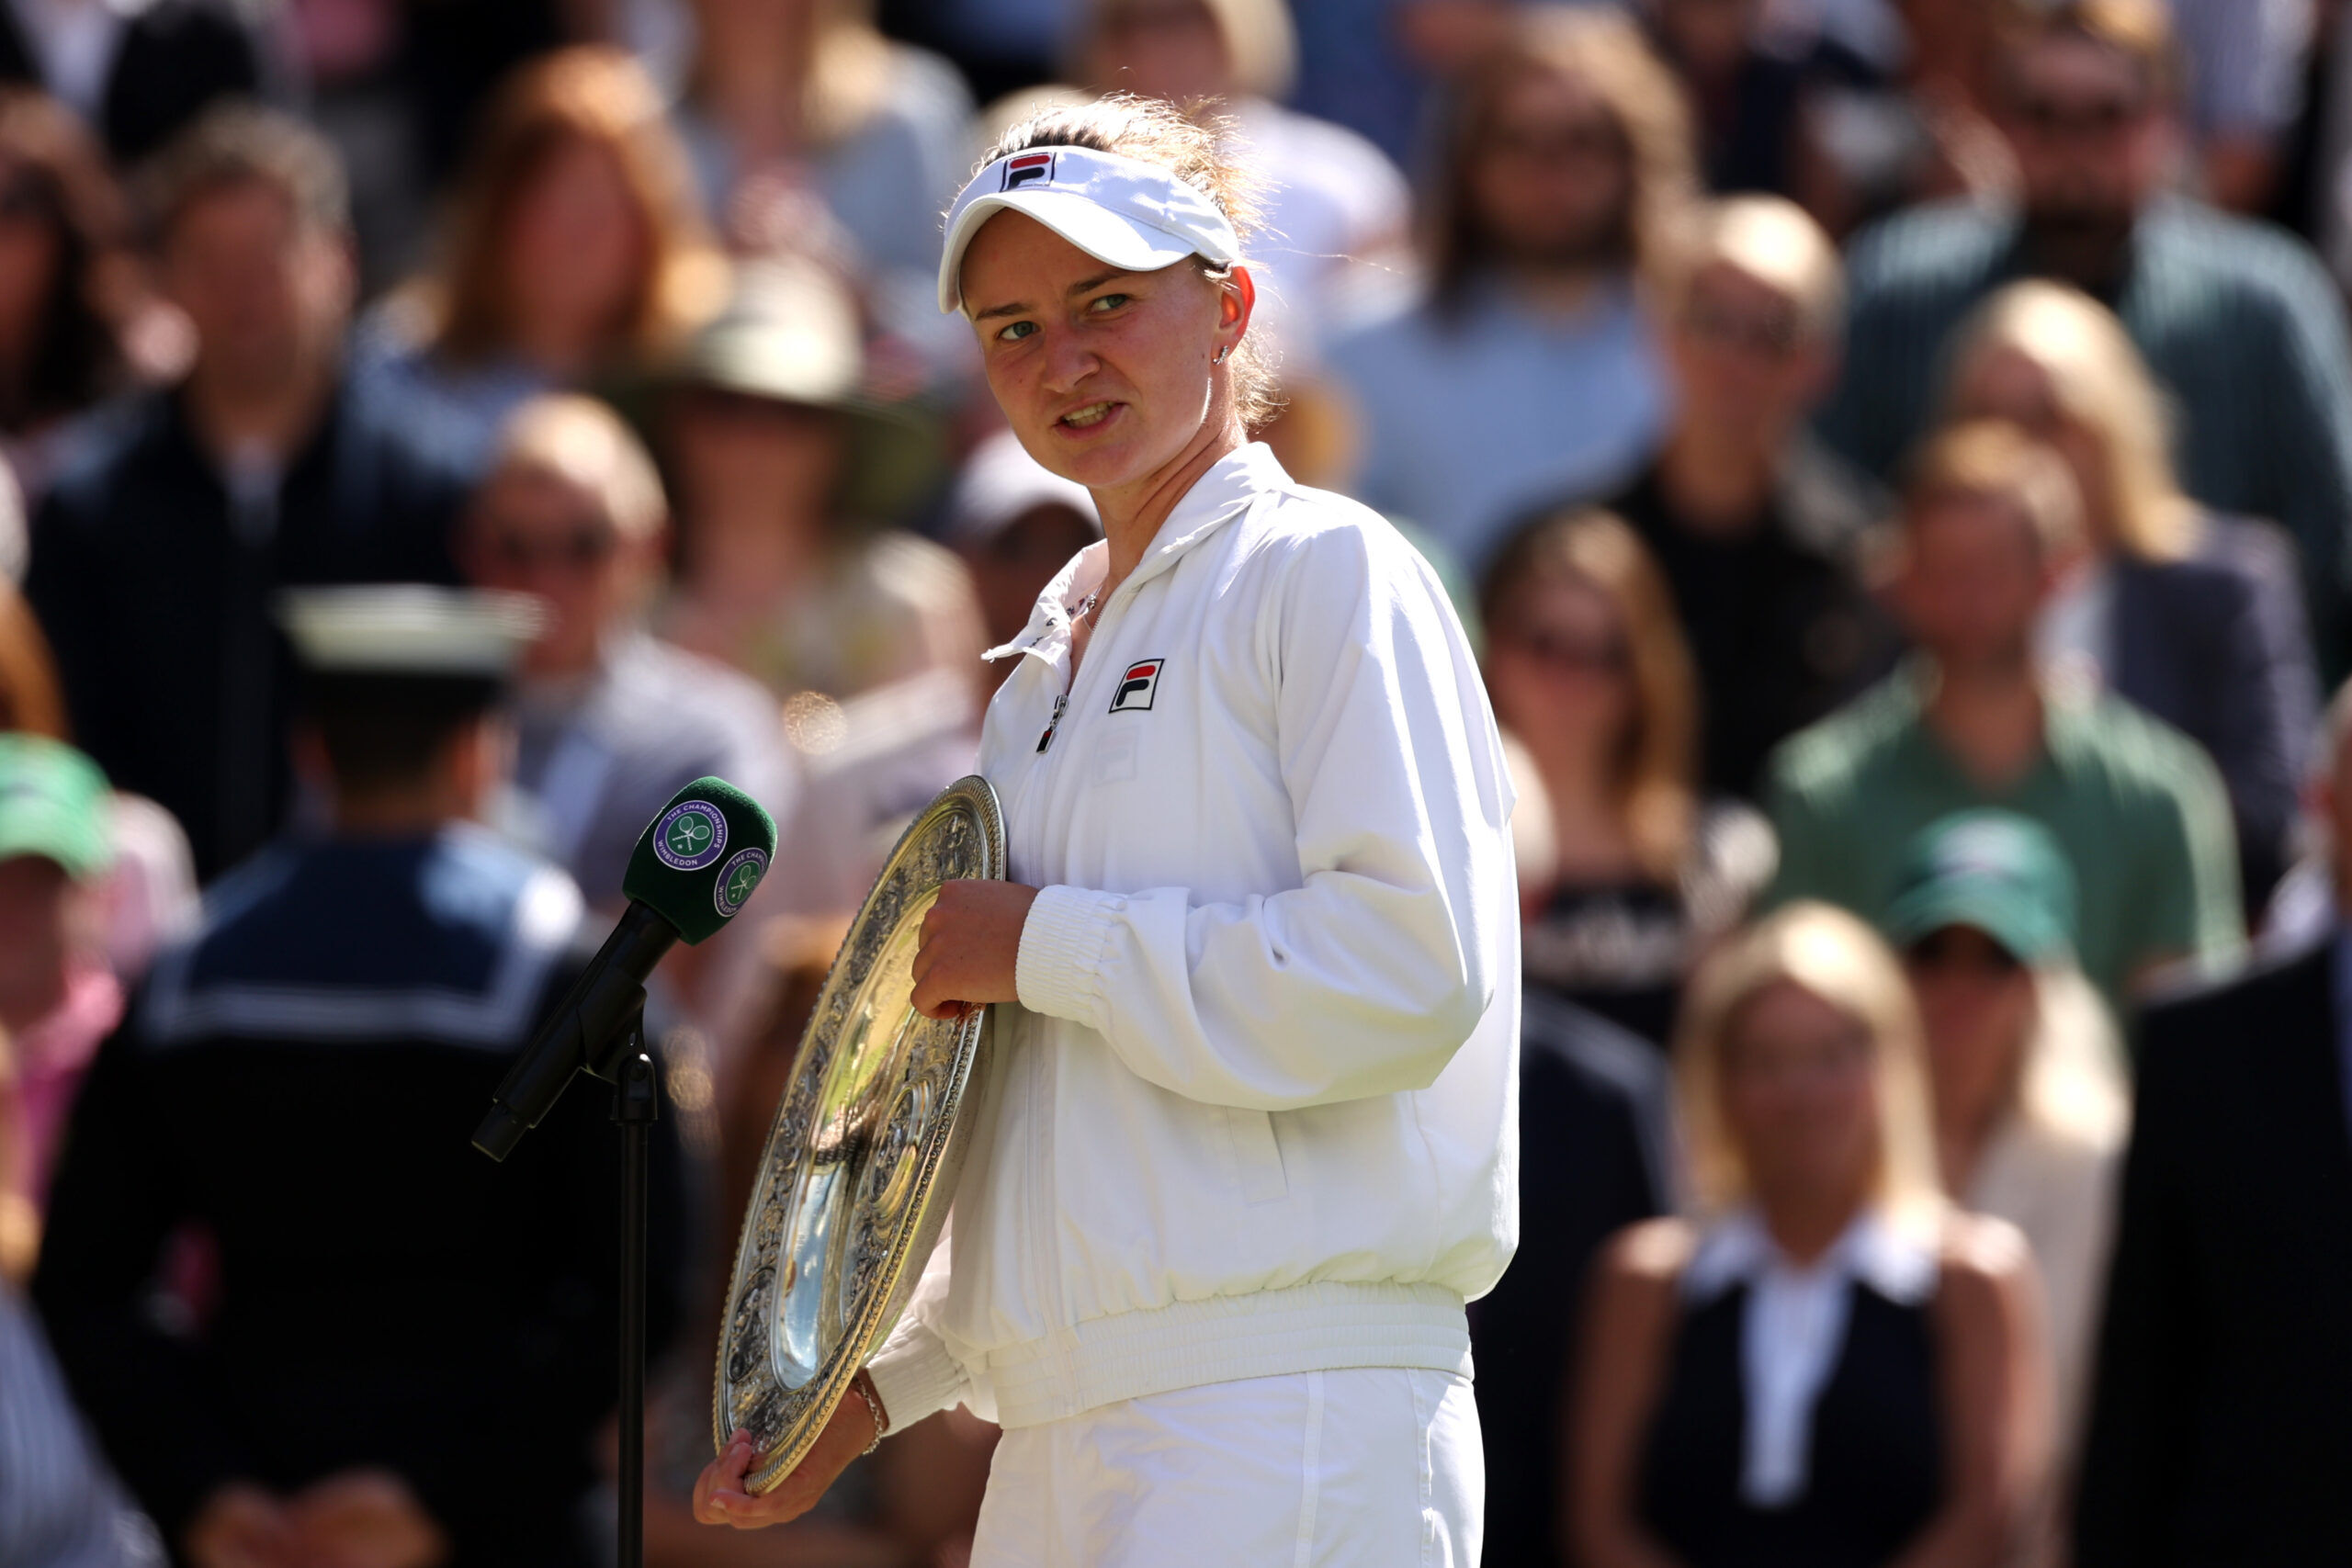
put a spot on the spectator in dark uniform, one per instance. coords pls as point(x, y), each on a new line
point(1594, 1153)
point(1759, 531)
point(2221, 1415)
point(160, 547)
point(409, 1347)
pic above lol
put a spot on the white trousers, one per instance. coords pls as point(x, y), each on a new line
point(1367, 1468)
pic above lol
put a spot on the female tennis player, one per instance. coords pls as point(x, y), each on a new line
point(1249, 1142)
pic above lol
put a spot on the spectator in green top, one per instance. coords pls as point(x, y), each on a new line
point(2240, 323)
point(1972, 721)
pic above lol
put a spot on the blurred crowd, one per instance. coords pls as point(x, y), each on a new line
point(1896, 456)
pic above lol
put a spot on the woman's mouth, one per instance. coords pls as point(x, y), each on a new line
point(1087, 417)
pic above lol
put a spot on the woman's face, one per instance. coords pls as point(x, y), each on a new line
point(1560, 670)
point(1978, 1004)
point(28, 251)
point(576, 248)
point(2003, 382)
point(1800, 1096)
point(1103, 375)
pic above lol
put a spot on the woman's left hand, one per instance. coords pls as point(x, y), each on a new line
point(971, 945)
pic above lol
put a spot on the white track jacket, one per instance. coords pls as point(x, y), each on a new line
point(1256, 1110)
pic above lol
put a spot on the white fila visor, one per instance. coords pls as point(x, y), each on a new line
point(1137, 216)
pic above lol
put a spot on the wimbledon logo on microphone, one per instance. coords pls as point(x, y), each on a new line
point(692, 834)
point(737, 879)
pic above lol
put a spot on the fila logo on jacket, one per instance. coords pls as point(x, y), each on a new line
point(1138, 686)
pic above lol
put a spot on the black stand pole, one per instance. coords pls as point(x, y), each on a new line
point(637, 1105)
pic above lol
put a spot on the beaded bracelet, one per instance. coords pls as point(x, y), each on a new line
point(861, 1387)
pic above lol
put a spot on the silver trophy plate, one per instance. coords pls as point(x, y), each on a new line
point(862, 1160)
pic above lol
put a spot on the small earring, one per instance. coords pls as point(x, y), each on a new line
point(1218, 358)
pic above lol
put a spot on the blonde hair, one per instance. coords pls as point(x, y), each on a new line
point(2072, 1081)
point(1606, 52)
point(2100, 383)
point(1991, 459)
point(1777, 242)
point(1194, 145)
point(1657, 766)
point(1258, 39)
point(1835, 958)
point(593, 96)
point(580, 442)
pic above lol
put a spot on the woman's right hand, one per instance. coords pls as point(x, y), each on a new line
point(722, 1498)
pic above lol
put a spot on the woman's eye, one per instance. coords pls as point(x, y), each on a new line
point(1016, 331)
point(1108, 302)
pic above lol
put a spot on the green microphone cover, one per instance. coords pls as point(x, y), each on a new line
point(701, 856)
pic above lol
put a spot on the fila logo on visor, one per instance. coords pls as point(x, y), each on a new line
point(1138, 686)
point(1019, 172)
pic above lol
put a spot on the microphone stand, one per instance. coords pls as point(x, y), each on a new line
point(601, 1030)
point(637, 1105)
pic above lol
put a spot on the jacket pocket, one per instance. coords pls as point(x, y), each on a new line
point(1257, 1156)
point(1114, 757)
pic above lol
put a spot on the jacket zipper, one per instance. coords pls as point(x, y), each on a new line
point(1039, 1265)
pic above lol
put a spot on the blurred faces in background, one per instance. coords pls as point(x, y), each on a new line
point(788, 467)
point(2025, 1069)
point(1551, 178)
point(1983, 542)
point(1525, 376)
point(1801, 1078)
point(2084, 95)
point(609, 722)
point(1752, 332)
point(576, 244)
point(266, 286)
point(1568, 153)
point(2195, 617)
point(571, 515)
point(1760, 532)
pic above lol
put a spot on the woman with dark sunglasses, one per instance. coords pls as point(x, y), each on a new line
point(1630, 872)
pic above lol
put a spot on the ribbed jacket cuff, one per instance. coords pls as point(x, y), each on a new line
point(915, 1376)
point(1061, 949)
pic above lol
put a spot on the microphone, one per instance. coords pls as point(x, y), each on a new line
point(695, 865)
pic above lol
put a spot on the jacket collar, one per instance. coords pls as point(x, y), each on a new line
point(1222, 493)
point(1231, 484)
